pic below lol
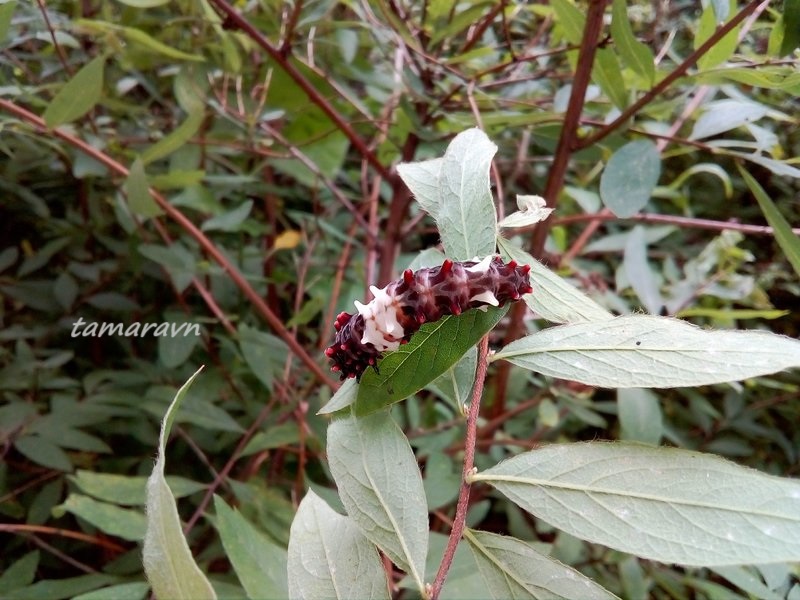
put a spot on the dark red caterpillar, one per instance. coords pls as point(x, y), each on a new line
point(398, 310)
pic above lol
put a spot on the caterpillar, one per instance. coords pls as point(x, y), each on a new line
point(399, 309)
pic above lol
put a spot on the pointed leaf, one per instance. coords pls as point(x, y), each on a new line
point(645, 351)
point(168, 562)
point(138, 191)
point(663, 504)
point(607, 74)
point(629, 178)
point(260, 564)
point(78, 96)
point(467, 220)
point(124, 523)
point(175, 139)
point(634, 53)
point(725, 115)
point(422, 178)
point(553, 298)
point(639, 273)
point(432, 351)
point(344, 397)
point(786, 238)
point(513, 569)
point(329, 557)
point(381, 487)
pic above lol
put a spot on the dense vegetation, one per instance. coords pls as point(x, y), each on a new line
point(234, 166)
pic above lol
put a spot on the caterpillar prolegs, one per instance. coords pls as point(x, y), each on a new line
point(399, 309)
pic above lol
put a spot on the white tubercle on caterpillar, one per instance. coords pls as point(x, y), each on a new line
point(482, 266)
point(381, 328)
point(486, 297)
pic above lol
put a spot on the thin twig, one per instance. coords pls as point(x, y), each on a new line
point(462, 505)
point(234, 18)
point(676, 74)
point(208, 246)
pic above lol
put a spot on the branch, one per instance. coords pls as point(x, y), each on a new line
point(233, 17)
point(676, 74)
point(272, 319)
point(462, 505)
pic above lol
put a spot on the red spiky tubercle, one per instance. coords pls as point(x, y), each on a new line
point(425, 296)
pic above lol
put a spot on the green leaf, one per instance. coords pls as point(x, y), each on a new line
point(662, 504)
point(135, 590)
point(120, 522)
point(639, 273)
point(78, 96)
point(634, 53)
point(138, 191)
point(725, 115)
point(143, 3)
point(553, 298)
point(175, 348)
point(723, 49)
point(467, 220)
point(61, 589)
point(329, 557)
point(179, 262)
point(260, 564)
point(344, 397)
point(791, 27)
point(127, 489)
point(645, 351)
point(167, 559)
point(43, 452)
point(607, 74)
point(229, 221)
point(174, 140)
point(381, 487)
point(137, 36)
point(455, 384)
point(432, 350)
point(6, 14)
point(787, 240)
point(640, 416)
point(571, 20)
point(422, 178)
point(629, 178)
point(263, 352)
point(511, 568)
point(19, 574)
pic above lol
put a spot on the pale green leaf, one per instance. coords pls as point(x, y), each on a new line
point(78, 96)
point(722, 50)
point(168, 562)
point(553, 298)
point(329, 557)
point(61, 589)
point(6, 14)
point(511, 568)
point(381, 487)
point(143, 3)
point(43, 452)
point(467, 220)
point(634, 53)
point(344, 397)
point(127, 489)
point(629, 177)
point(175, 139)
point(646, 351)
point(260, 564)
point(138, 191)
point(639, 273)
point(124, 523)
point(786, 238)
point(135, 590)
point(664, 504)
point(231, 220)
point(607, 74)
point(725, 115)
point(640, 416)
point(422, 178)
point(137, 36)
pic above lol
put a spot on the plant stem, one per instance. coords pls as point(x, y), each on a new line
point(462, 505)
